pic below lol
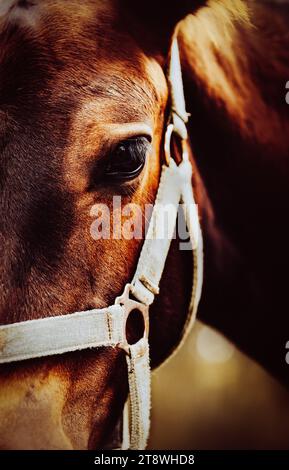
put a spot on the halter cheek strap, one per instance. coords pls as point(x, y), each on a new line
point(107, 327)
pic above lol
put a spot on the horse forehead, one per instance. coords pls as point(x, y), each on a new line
point(62, 25)
point(31, 12)
point(61, 46)
point(58, 27)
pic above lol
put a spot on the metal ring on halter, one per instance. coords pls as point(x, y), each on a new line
point(167, 145)
point(129, 305)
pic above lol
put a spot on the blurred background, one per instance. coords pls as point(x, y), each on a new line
point(211, 396)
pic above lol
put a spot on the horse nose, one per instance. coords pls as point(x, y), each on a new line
point(31, 411)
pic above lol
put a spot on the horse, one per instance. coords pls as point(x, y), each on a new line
point(83, 83)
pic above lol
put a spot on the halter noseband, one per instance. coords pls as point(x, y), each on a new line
point(107, 327)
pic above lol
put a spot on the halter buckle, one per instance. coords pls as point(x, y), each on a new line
point(129, 305)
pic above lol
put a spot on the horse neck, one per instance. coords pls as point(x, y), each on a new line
point(242, 155)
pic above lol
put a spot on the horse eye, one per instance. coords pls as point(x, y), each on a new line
point(127, 160)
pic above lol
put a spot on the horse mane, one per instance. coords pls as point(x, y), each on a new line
point(237, 54)
point(235, 60)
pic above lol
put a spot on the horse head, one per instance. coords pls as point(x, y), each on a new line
point(83, 107)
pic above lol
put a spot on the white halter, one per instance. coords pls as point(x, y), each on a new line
point(107, 327)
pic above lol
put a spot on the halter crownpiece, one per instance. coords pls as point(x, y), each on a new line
point(107, 327)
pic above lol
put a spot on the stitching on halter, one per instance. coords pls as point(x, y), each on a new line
point(153, 288)
point(109, 325)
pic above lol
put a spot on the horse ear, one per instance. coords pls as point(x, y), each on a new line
point(152, 23)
